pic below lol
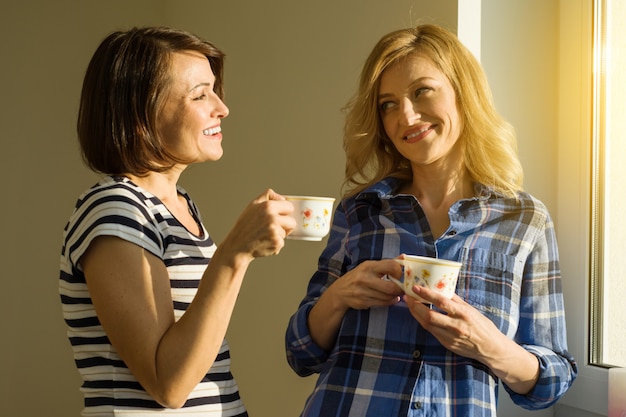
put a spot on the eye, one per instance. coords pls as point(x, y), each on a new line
point(385, 106)
point(200, 97)
point(422, 90)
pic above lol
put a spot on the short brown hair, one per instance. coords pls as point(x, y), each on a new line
point(122, 95)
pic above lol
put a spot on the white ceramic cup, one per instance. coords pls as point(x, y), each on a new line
point(436, 274)
point(313, 216)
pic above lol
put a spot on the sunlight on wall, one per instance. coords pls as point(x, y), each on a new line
point(469, 31)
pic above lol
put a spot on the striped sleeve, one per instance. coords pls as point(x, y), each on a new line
point(114, 211)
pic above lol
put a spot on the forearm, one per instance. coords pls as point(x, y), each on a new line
point(190, 346)
point(514, 365)
point(325, 319)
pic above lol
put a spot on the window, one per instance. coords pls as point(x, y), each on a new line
point(608, 187)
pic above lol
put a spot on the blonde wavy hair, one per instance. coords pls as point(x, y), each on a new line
point(489, 142)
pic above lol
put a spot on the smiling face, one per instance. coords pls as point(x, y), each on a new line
point(418, 109)
point(190, 120)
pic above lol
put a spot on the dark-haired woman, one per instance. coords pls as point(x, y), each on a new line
point(147, 295)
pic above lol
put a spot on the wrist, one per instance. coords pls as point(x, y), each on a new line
point(515, 366)
point(232, 260)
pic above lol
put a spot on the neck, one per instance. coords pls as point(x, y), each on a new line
point(440, 187)
point(161, 184)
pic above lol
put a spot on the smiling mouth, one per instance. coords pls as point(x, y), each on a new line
point(212, 131)
point(416, 134)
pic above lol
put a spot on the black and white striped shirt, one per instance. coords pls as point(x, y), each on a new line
point(117, 207)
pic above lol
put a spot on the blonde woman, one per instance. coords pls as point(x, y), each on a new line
point(432, 170)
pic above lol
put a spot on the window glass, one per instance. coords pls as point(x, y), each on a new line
point(608, 206)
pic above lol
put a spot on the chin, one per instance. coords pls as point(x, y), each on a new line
point(210, 154)
point(213, 157)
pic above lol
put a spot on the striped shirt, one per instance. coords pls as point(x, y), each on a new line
point(117, 207)
point(383, 362)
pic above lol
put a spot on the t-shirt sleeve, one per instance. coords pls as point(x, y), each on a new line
point(112, 212)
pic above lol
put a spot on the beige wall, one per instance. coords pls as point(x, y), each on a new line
point(45, 47)
point(520, 47)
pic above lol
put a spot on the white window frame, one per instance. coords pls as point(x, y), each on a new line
point(590, 391)
point(607, 309)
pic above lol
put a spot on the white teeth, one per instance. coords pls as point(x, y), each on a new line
point(212, 131)
point(412, 135)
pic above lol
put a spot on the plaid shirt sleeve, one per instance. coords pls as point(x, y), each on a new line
point(541, 328)
point(303, 355)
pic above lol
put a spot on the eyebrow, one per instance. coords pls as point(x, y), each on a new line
point(411, 85)
point(200, 85)
point(384, 96)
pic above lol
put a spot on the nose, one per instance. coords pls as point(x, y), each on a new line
point(409, 111)
point(220, 110)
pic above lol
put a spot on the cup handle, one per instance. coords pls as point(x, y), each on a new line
point(398, 283)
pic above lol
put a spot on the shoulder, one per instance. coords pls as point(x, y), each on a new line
point(113, 190)
point(523, 209)
point(382, 189)
point(118, 208)
point(522, 201)
point(117, 200)
point(532, 205)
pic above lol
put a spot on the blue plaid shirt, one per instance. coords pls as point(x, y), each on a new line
point(383, 362)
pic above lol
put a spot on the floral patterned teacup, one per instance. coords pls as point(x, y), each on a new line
point(313, 216)
point(437, 274)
